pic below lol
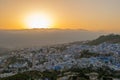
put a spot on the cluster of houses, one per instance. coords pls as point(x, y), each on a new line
point(59, 57)
point(101, 48)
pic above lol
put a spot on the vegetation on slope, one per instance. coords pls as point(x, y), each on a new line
point(32, 75)
point(112, 38)
point(54, 75)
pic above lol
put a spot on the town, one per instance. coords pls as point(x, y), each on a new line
point(61, 58)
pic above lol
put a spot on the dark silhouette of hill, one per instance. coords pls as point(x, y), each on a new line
point(111, 38)
point(4, 51)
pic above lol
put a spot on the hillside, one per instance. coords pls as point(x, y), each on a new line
point(3, 51)
point(111, 38)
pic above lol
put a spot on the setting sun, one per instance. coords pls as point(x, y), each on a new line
point(38, 21)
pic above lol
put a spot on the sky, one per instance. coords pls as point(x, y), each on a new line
point(95, 15)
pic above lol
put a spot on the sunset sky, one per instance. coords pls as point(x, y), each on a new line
point(96, 15)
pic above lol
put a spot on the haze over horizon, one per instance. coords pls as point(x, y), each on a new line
point(42, 37)
point(93, 15)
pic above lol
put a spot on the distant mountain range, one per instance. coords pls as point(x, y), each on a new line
point(111, 38)
point(43, 37)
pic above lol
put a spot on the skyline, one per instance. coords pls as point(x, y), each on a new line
point(95, 15)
